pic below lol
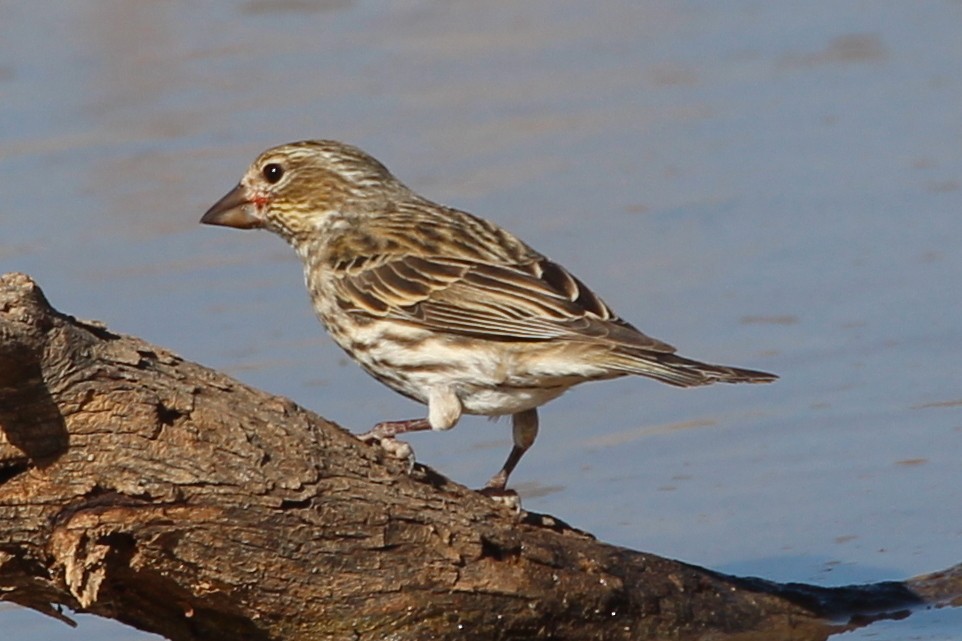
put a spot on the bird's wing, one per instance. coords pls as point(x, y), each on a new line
point(536, 300)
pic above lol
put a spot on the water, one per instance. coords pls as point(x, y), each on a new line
point(772, 185)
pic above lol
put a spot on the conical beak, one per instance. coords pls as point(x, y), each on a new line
point(233, 210)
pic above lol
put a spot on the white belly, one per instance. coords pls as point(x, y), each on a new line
point(489, 378)
point(501, 401)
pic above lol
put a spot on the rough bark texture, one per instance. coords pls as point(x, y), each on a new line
point(142, 487)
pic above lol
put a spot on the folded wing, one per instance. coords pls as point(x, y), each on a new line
point(533, 301)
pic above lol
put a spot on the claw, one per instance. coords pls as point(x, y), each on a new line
point(508, 498)
point(394, 448)
point(383, 434)
point(398, 449)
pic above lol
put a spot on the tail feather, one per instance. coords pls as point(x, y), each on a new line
point(685, 372)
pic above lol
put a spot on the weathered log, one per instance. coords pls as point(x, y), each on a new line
point(142, 487)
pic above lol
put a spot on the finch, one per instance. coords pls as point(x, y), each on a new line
point(441, 306)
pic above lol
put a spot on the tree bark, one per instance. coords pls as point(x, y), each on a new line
point(142, 487)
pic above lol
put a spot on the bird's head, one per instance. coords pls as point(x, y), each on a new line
point(299, 189)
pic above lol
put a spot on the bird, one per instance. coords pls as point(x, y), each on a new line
point(440, 305)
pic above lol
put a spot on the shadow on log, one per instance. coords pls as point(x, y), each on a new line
point(145, 488)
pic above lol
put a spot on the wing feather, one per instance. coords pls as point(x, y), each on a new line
point(534, 301)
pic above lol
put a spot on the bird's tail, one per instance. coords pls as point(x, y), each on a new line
point(684, 372)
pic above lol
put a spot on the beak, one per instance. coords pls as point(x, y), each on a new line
point(233, 210)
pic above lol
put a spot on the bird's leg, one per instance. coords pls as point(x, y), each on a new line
point(384, 434)
point(524, 427)
point(390, 429)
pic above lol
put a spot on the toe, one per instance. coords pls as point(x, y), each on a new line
point(398, 449)
point(508, 498)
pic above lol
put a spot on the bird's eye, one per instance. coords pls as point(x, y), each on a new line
point(272, 172)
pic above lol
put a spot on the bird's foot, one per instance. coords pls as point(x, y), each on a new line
point(384, 435)
point(392, 447)
point(508, 498)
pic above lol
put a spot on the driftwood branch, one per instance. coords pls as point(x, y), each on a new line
point(142, 487)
